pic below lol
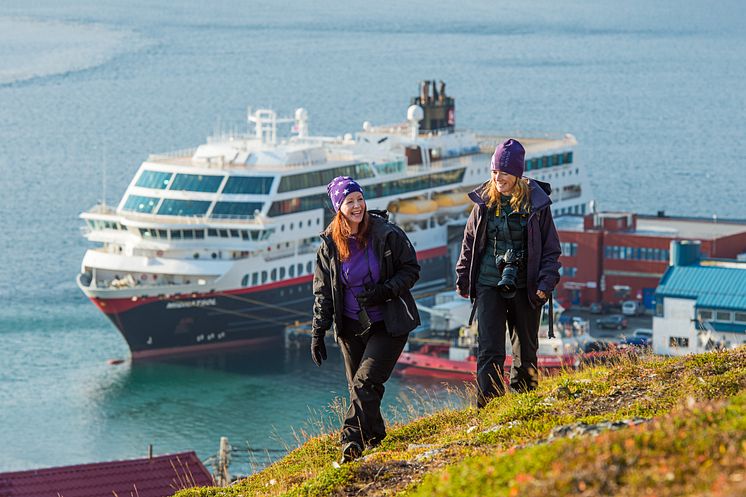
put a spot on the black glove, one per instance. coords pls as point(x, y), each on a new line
point(318, 348)
point(375, 295)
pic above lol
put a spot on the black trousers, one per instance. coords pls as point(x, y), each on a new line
point(495, 315)
point(369, 361)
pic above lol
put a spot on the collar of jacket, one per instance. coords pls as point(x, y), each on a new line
point(539, 194)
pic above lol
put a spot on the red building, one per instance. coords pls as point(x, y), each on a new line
point(616, 256)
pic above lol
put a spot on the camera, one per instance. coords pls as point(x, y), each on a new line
point(363, 319)
point(508, 278)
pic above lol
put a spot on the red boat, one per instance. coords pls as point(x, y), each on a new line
point(433, 361)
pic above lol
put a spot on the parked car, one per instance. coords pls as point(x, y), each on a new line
point(638, 341)
point(644, 333)
point(632, 308)
point(612, 322)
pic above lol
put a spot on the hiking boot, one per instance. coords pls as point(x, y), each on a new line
point(351, 451)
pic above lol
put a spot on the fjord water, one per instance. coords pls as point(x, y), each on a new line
point(654, 92)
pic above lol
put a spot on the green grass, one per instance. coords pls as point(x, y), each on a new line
point(693, 444)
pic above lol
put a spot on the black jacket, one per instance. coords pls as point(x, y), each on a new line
point(543, 245)
point(399, 272)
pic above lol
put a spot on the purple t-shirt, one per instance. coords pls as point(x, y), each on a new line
point(359, 270)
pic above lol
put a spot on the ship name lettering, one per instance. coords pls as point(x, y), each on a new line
point(191, 303)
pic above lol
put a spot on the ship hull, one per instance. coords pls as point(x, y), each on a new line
point(159, 326)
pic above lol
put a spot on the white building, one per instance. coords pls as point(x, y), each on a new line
point(701, 304)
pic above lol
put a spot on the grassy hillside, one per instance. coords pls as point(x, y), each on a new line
point(639, 427)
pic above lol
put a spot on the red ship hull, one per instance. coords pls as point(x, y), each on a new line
point(429, 364)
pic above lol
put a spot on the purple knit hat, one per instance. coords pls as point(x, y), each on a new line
point(339, 188)
point(508, 157)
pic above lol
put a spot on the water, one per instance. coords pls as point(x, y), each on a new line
point(654, 92)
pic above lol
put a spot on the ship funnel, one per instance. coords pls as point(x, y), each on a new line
point(439, 110)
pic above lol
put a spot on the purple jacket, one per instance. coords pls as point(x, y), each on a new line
point(542, 268)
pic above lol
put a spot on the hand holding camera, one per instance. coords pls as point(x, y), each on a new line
point(507, 264)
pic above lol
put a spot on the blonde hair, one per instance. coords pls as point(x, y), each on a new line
point(519, 198)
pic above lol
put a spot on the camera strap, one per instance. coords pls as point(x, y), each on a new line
point(497, 232)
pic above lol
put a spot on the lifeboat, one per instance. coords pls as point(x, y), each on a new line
point(452, 203)
point(414, 210)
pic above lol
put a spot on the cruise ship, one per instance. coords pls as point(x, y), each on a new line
point(215, 247)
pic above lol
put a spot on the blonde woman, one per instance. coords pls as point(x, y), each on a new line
point(509, 266)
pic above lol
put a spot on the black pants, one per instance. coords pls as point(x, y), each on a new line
point(369, 361)
point(494, 315)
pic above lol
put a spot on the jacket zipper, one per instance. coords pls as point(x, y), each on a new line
point(406, 308)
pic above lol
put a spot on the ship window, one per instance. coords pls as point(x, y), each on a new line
point(299, 269)
point(321, 178)
point(176, 235)
point(740, 317)
point(282, 272)
point(236, 209)
point(254, 278)
point(705, 315)
point(199, 234)
point(273, 274)
point(407, 185)
point(244, 235)
point(309, 267)
point(260, 185)
point(264, 277)
point(173, 207)
point(163, 234)
point(144, 233)
point(153, 233)
point(390, 188)
point(137, 203)
point(196, 183)
point(235, 234)
point(390, 167)
point(154, 179)
point(224, 234)
point(291, 271)
point(212, 232)
point(568, 159)
point(245, 280)
point(188, 234)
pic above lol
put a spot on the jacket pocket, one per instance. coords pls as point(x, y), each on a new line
point(406, 309)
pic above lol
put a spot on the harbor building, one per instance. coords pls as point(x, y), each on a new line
point(613, 257)
point(701, 303)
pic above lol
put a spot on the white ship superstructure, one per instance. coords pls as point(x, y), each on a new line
point(215, 246)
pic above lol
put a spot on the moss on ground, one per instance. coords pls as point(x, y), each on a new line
point(693, 445)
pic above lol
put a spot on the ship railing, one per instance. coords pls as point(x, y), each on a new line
point(283, 253)
point(206, 220)
point(176, 154)
point(307, 248)
point(534, 141)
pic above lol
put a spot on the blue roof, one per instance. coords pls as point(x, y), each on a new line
point(712, 287)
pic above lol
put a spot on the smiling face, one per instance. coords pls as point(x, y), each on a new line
point(353, 208)
point(504, 182)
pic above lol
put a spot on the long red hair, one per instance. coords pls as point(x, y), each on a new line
point(341, 232)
